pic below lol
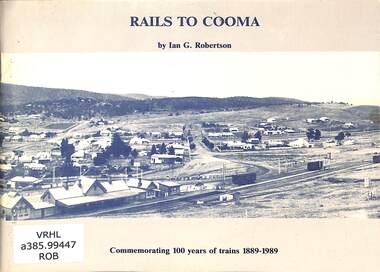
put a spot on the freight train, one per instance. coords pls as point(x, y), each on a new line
point(244, 179)
point(376, 159)
point(315, 165)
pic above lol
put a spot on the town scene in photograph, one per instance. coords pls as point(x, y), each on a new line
point(70, 153)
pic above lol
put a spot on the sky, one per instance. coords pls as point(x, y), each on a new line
point(352, 77)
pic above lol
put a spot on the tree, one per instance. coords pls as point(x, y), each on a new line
point(317, 134)
point(258, 135)
point(68, 169)
point(118, 147)
point(192, 146)
point(101, 159)
point(134, 153)
point(163, 148)
point(245, 136)
point(347, 134)
point(171, 150)
point(340, 137)
point(66, 149)
point(153, 150)
point(2, 136)
point(310, 134)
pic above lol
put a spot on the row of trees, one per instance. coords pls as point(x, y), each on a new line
point(315, 134)
point(162, 149)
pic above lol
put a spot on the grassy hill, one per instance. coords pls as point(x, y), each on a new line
point(73, 103)
point(11, 94)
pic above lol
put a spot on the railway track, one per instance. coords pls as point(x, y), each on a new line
point(267, 187)
point(261, 188)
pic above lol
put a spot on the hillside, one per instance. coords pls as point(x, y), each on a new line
point(74, 103)
point(11, 94)
point(366, 112)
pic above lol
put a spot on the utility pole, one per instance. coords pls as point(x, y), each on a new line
point(53, 182)
point(224, 173)
point(188, 142)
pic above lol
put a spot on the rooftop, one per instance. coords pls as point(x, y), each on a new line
point(96, 198)
point(25, 179)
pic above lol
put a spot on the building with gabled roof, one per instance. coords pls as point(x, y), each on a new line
point(90, 194)
point(151, 188)
point(14, 206)
point(168, 188)
point(83, 187)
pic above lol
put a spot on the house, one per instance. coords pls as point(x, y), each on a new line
point(155, 134)
point(175, 134)
point(83, 145)
point(17, 138)
point(274, 143)
point(180, 149)
point(220, 134)
point(150, 188)
point(25, 159)
point(15, 130)
point(165, 159)
point(239, 145)
point(215, 134)
point(43, 157)
point(312, 120)
point(348, 125)
point(253, 140)
point(105, 133)
point(168, 188)
point(273, 132)
point(78, 155)
point(271, 120)
point(299, 143)
point(102, 143)
point(55, 152)
point(233, 129)
point(20, 181)
point(5, 169)
point(34, 169)
point(139, 141)
point(16, 207)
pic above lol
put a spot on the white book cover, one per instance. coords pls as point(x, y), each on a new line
point(190, 135)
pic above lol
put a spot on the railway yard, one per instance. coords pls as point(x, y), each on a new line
point(202, 155)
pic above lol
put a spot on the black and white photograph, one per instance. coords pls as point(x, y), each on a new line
point(190, 135)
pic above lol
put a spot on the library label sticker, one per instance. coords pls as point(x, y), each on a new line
point(48, 243)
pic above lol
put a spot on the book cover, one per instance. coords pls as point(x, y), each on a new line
point(190, 135)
